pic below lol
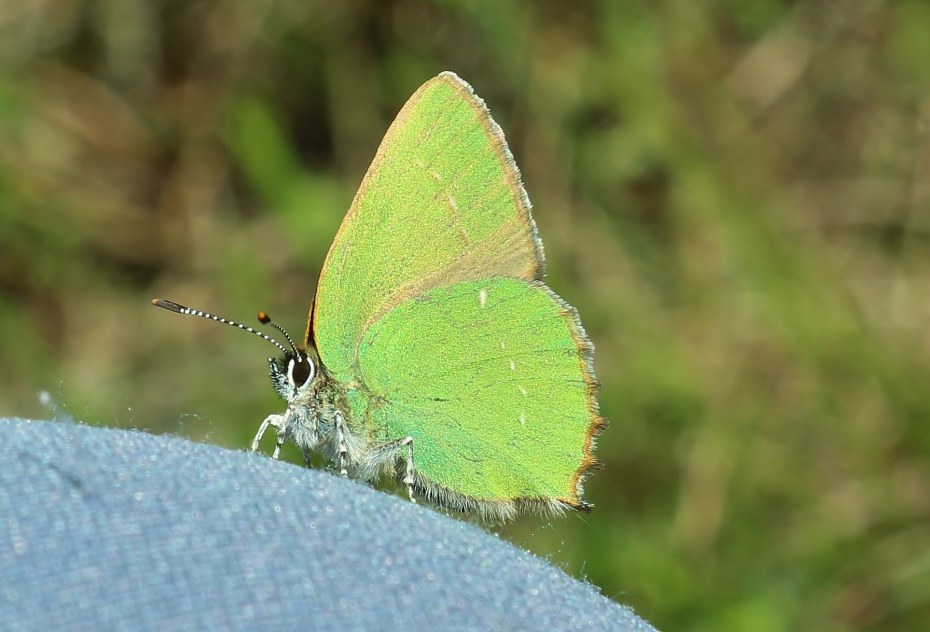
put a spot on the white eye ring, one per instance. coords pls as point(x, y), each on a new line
point(292, 364)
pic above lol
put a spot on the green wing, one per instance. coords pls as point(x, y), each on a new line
point(441, 203)
point(492, 379)
point(431, 314)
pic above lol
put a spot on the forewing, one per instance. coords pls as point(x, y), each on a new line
point(493, 381)
point(442, 203)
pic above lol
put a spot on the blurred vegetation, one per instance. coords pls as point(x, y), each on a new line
point(734, 194)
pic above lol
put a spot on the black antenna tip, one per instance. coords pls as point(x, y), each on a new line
point(171, 306)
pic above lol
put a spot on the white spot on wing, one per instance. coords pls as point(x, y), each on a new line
point(483, 298)
point(503, 346)
point(522, 390)
point(451, 200)
point(522, 419)
point(513, 365)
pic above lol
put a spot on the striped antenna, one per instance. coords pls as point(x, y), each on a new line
point(177, 308)
point(265, 319)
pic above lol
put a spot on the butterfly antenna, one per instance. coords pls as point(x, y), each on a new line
point(177, 308)
point(265, 319)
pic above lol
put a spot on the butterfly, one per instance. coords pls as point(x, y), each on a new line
point(434, 351)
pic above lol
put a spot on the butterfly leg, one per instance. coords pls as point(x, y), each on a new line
point(388, 452)
point(279, 443)
point(342, 444)
point(307, 455)
point(271, 420)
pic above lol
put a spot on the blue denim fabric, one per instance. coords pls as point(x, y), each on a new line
point(106, 529)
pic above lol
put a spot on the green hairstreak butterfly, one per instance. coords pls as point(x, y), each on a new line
point(434, 350)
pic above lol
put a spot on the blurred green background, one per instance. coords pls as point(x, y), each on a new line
point(734, 194)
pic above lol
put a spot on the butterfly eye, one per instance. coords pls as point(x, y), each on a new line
point(302, 370)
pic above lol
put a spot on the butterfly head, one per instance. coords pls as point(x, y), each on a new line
point(293, 374)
